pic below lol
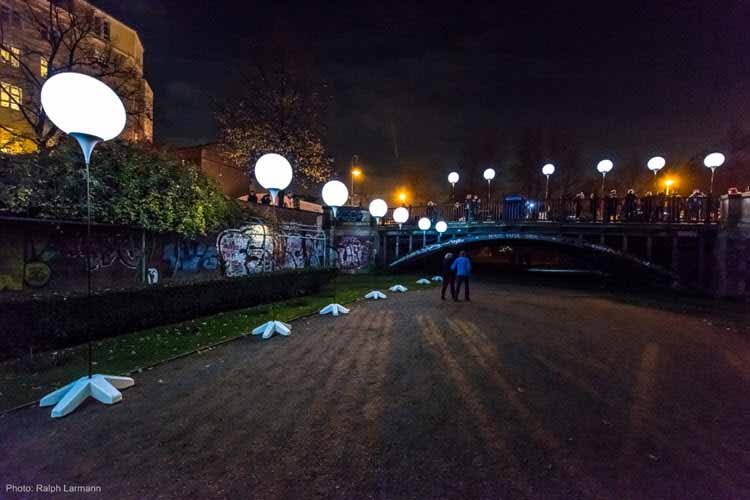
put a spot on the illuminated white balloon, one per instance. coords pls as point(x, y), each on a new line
point(489, 174)
point(79, 104)
point(400, 215)
point(424, 224)
point(548, 169)
point(656, 163)
point(441, 226)
point(273, 172)
point(378, 207)
point(453, 177)
point(714, 160)
point(335, 193)
point(604, 166)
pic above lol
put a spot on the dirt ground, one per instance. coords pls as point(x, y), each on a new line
point(525, 392)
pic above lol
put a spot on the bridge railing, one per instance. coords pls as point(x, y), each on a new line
point(648, 209)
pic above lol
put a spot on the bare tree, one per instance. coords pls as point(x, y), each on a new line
point(39, 39)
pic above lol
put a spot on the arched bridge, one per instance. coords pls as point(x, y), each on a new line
point(679, 252)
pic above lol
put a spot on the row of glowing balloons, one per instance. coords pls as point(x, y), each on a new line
point(712, 161)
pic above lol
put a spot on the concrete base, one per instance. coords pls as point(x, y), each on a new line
point(266, 330)
point(103, 388)
point(334, 310)
point(376, 295)
point(398, 288)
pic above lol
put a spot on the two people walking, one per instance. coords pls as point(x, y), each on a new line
point(455, 273)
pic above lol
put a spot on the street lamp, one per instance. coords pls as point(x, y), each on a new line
point(453, 179)
point(378, 209)
point(489, 174)
point(604, 167)
point(274, 173)
point(668, 183)
point(90, 112)
point(334, 195)
point(548, 170)
point(441, 227)
point(400, 215)
point(424, 224)
point(713, 161)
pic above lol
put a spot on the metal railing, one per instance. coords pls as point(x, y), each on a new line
point(516, 209)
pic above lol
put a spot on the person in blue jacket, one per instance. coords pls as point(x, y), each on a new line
point(462, 268)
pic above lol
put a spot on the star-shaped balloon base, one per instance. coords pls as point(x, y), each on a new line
point(266, 330)
point(398, 288)
point(103, 388)
point(437, 278)
point(423, 281)
point(376, 295)
point(334, 310)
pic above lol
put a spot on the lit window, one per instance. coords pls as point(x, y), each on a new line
point(5, 55)
point(43, 67)
point(10, 96)
point(15, 60)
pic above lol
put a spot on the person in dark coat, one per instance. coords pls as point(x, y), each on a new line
point(449, 276)
point(630, 205)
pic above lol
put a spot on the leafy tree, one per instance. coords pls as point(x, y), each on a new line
point(279, 106)
point(130, 184)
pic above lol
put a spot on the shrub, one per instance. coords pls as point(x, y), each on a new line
point(44, 323)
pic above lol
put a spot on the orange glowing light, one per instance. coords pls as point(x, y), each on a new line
point(402, 196)
point(356, 171)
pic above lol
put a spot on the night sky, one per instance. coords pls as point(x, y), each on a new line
point(643, 77)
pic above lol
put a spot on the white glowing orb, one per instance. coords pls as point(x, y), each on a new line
point(441, 226)
point(548, 169)
point(400, 215)
point(656, 163)
point(335, 193)
point(604, 166)
point(78, 103)
point(714, 160)
point(424, 224)
point(273, 171)
point(489, 174)
point(453, 177)
point(378, 207)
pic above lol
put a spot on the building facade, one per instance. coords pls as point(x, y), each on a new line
point(213, 162)
point(39, 38)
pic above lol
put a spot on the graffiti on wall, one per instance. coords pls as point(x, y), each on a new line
point(190, 256)
point(354, 252)
point(255, 248)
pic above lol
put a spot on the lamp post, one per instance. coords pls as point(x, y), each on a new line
point(378, 209)
point(424, 224)
point(548, 170)
point(668, 184)
point(604, 167)
point(356, 171)
point(713, 161)
point(489, 174)
point(400, 215)
point(334, 195)
point(273, 173)
point(90, 112)
point(453, 179)
point(441, 227)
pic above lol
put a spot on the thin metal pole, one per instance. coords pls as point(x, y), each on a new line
point(424, 239)
point(604, 175)
point(489, 191)
point(546, 192)
point(711, 191)
point(88, 264)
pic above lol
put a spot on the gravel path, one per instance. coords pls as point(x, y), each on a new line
point(523, 393)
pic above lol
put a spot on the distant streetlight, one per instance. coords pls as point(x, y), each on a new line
point(713, 161)
point(400, 215)
point(356, 172)
point(274, 173)
point(424, 224)
point(604, 167)
point(668, 183)
point(655, 164)
point(548, 170)
point(453, 179)
point(489, 174)
point(378, 209)
point(90, 112)
point(441, 227)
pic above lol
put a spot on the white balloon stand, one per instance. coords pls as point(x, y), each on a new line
point(266, 330)
point(334, 310)
point(398, 288)
point(376, 295)
point(103, 388)
point(437, 278)
point(423, 281)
